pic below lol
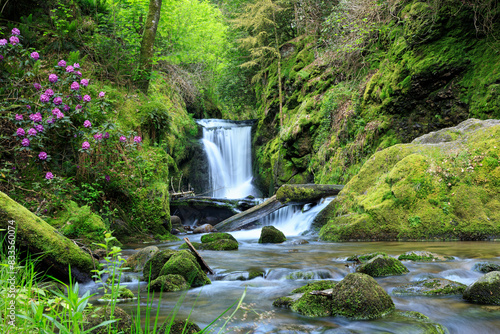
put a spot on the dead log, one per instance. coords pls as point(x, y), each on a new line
point(306, 193)
point(203, 264)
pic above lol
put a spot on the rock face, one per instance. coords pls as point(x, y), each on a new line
point(441, 186)
point(382, 266)
point(137, 261)
point(38, 237)
point(431, 287)
point(271, 235)
point(485, 290)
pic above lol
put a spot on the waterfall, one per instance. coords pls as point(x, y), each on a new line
point(228, 146)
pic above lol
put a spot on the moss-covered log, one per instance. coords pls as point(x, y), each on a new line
point(305, 193)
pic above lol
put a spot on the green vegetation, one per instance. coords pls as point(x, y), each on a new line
point(271, 234)
point(431, 287)
point(382, 265)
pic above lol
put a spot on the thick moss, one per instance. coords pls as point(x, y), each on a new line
point(305, 193)
point(382, 266)
point(315, 286)
point(38, 237)
point(255, 272)
point(216, 236)
point(314, 305)
point(271, 234)
point(486, 267)
point(152, 268)
point(137, 260)
point(433, 286)
point(179, 327)
point(365, 257)
point(169, 283)
point(123, 293)
point(423, 256)
point(184, 263)
point(220, 245)
point(486, 290)
point(285, 302)
point(123, 325)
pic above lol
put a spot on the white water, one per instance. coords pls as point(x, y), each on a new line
point(229, 152)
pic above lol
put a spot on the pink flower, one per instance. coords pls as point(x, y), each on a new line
point(37, 86)
point(44, 98)
point(78, 73)
point(75, 86)
point(79, 106)
point(19, 117)
point(87, 124)
point(42, 156)
point(85, 145)
point(13, 40)
point(107, 178)
point(39, 127)
point(70, 69)
point(32, 132)
point(98, 136)
point(76, 65)
point(53, 78)
point(36, 117)
point(3, 42)
point(25, 142)
point(55, 111)
point(51, 121)
point(35, 55)
point(66, 107)
point(49, 92)
point(16, 31)
point(49, 176)
point(123, 139)
point(106, 135)
point(137, 139)
point(61, 63)
point(101, 94)
point(59, 115)
point(28, 106)
point(87, 98)
point(20, 132)
point(84, 82)
point(57, 101)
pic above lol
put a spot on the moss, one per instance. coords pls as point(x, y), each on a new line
point(313, 305)
point(285, 302)
point(415, 322)
point(485, 291)
point(365, 257)
point(169, 283)
point(486, 267)
point(315, 286)
point(124, 324)
point(38, 237)
point(153, 266)
point(271, 234)
point(216, 236)
point(255, 272)
point(423, 256)
point(123, 293)
point(179, 327)
point(383, 266)
point(137, 260)
point(433, 286)
point(220, 245)
point(184, 263)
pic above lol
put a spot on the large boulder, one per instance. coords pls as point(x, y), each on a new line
point(431, 287)
point(169, 283)
point(486, 290)
point(444, 185)
point(137, 260)
point(123, 325)
point(271, 235)
point(152, 267)
point(382, 266)
point(216, 236)
point(486, 267)
point(184, 263)
point(37, 237)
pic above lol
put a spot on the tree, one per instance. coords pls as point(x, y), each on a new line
point(147, 44)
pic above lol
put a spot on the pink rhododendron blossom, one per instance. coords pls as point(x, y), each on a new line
point(85, 145)
point(70, 69)
point(75, 86)
point(87, 124)
point(25, 142)
point(57, 101)
point(106, 135)
point(84, 82)
point(87, 98)
point(19, 117)
point(123, 139)
point(78, 73)
point(49, 176)
point(59, 115)
point(36, 117)
point(51, 121)
point(13, 40)
point(20, 132)
point(16, 31)
point(101, 94)
point(66, 107)
point(61, 63)
point(39, 127)
point(3, 42)
point(37, 86)
point(35, 55)
point(98, 136)
point(42, 156)
point(49, 92)
point(53, 78)
point(55, 111)
point(44, 98)
point(32, 132)
point(137, 139)
point(76, 65)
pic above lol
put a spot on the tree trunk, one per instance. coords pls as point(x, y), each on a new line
point(147, 44)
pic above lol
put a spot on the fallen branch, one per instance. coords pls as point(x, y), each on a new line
point(203, 264)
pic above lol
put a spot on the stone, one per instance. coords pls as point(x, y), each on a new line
point(216, 236)
point(179, 327)
point(169, 283)
point(271, 234)
point(152, 267)
point(424, 256)
point(486, 267)
point(431, 287)
point(137, 260)
point(184, 263)
point(205, 228)
point(485, 291)
point(382, 266)
point(124, 324)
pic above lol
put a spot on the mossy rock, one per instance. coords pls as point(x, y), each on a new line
point(197, 245)
point(220, 245)
point(365, 257)
point(358, 296)
point(123, 293)
point(414, 322)
point(169, 283)
point(179, 327)
point(485, 291)
point(431, 287)
point(382, 266)
point(314, 305)
point(486, 267)
point(184, 263)
point(216, 236)
point(423, 256)
point(255, 272)
point(285, 302)
point(137, 260)
point(272, 235)
point(315, 286)
point(38, 237)
point(123, 325)
point(152, 267)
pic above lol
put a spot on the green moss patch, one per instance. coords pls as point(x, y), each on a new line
point(137, 260)
point(183, 263)
point(152, 267)
point(433, 286)
point(315, 286)
point(365, 257)
point(423, 256)
point(271, 234)
point(169, 283)
point(486, 290)
point(382, 266)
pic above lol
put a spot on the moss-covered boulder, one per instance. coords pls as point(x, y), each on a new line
point(216, 236)
point(315, 286)
point(313, 305)
point(255, 272)
point(179, 327)
point(152, 267)
point(220, 245)
point(437, 187)
point(486, 267)
point(123, 294)
point(123, 325)
point(423, 256)
point(285, 302)
point(137, 260)
point(486, 290)
point(169, 283)
point(413, 322)
point(431, 287)
point(365, 257)
point(271, 235)
point(36, 236)
point(183, 263)
point(382, 266)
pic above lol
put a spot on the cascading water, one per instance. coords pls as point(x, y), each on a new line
point(229, 152)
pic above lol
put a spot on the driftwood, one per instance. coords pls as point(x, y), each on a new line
point(203, 264)
point(326, 293)
point(249, 216)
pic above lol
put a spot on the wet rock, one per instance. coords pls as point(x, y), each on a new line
point(256, 272)
point(271, 234)
point(123, 325)
point(205, 228)
point(285, 302)
point(216, 236)
point(364, 257)
point(382, 266)
point(179, 327)
point(123, 294)
point(315, 286)
point(184, 263)
point(486, 290)
point(299, 242)
point(220, 245)
point(486, 267)
point(423, 256)
point(433, 286)
point(414, 322)
point(175, 221)
point(152, 268)
point(169, 283)
point(137, 261)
